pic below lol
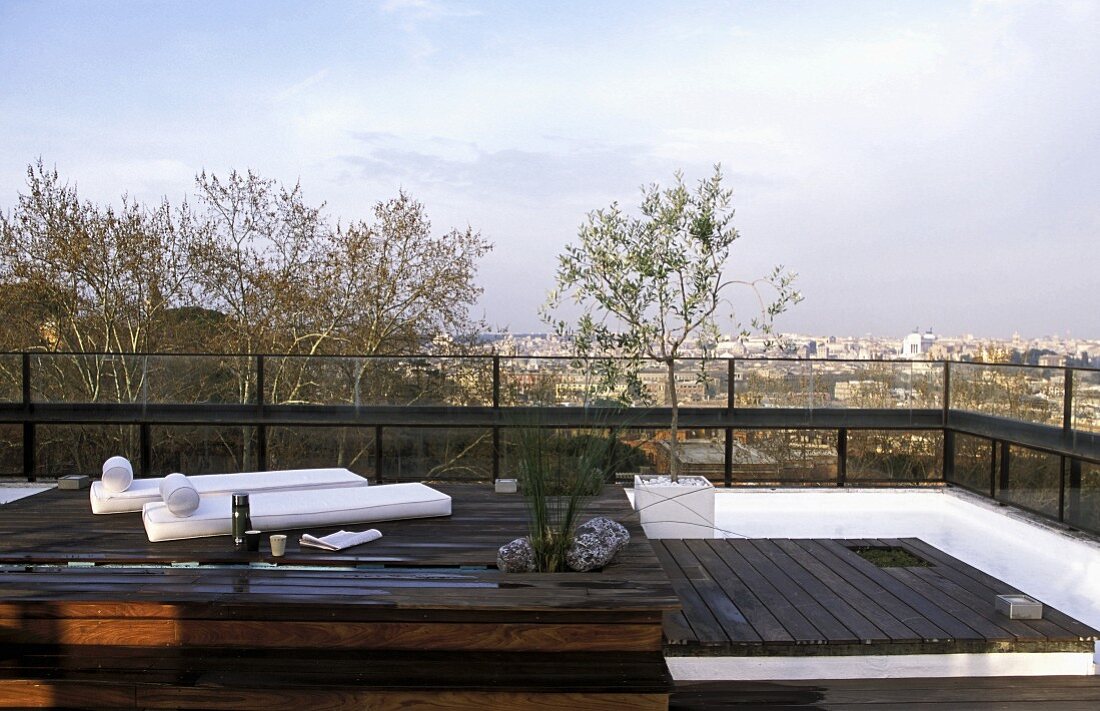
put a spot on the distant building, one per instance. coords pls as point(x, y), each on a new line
point(917, 344)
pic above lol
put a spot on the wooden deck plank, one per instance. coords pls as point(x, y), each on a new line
point(999, 587)
point(777, 576)
point(927, 606)
point(794, 622)
point(783, 579)
point(691, 579)
point(726, 611)
point(901, 611)
point(849, 616)
point(765, 625)
point(981, 596)
point(893, 629)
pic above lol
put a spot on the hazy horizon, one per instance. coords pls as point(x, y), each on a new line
point(928, 164)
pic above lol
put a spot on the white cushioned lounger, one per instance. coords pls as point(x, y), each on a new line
point(144, 491)
point(276, 511)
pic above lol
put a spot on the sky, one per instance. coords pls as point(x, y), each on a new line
point(919, 164)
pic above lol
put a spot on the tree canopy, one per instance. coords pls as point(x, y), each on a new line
point(649, 284)
point(248, 266)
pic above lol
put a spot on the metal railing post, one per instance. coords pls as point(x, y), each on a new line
point(842, 456)
point(731, 371)
point(146, 444)
point(29, 463)
point(496, 425)
point(1073, 500)
point(993, 468)
point(948, 455)
point(261, 428)
point(946, 393)
point(1067, 406)
point(378, 454)
point(1062, 488)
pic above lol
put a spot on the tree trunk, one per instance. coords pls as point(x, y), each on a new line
point(674, 441)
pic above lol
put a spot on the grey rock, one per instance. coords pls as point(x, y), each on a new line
point(595, 544)
point(516, 557)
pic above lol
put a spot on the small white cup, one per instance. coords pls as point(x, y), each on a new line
point(278, 545)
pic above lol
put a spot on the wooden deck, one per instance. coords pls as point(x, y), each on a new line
point(93, 615)
point(746, 597)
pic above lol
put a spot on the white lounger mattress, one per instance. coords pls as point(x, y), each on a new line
point(144, 491)
point(276, 511)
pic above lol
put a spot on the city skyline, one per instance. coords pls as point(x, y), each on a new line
point(930, 165)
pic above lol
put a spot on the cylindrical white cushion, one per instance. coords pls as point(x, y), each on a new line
point(179, 495)
point(117, 474)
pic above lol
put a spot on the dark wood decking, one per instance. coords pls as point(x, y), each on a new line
point(419, 616)
point(818, 597)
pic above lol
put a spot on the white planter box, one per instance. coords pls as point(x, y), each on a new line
point(681, 510)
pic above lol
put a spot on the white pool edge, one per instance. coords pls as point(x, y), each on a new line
point(881, 666)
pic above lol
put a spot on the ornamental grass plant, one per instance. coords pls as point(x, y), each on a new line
point(558, 477)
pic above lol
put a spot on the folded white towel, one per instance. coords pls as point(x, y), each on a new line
point(340, 540)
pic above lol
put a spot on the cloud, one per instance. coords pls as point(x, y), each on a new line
point(299, 87)
point(416, 15)
point(523, 175)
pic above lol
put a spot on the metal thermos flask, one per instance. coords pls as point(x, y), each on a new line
point(241, 515)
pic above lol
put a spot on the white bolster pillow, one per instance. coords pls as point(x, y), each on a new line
point(117, 474)
point(179, 494)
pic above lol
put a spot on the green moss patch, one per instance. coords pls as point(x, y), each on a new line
point(890, 557)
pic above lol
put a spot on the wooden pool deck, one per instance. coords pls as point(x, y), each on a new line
point(794, 597)
point(93, 615)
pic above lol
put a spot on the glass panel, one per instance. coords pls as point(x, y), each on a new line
point(1022, 393)
point(199, 449)
point(699, 383)
point(87, 378)
point(11, 450)
point(11, 378)
point(1083, 502)
point(778, 383)
point(880, 384)
point(1086, 400)
point(895, 455)
point(600, 382)
point(627, 453)
point(190, 379)
point(321, 447)
point(436, 454)
point(973, 459)
point(294, 380)
point(532, 381)
point(454, 382)
point(1033, 480)
point(82, 449)
point(761, 456)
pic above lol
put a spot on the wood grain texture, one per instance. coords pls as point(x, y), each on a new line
point(817, 596)
point(92, 615)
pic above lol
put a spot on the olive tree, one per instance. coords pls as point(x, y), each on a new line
point(648, 285)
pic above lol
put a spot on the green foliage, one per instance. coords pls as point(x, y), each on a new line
point(890, 557)
point(648, 284)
